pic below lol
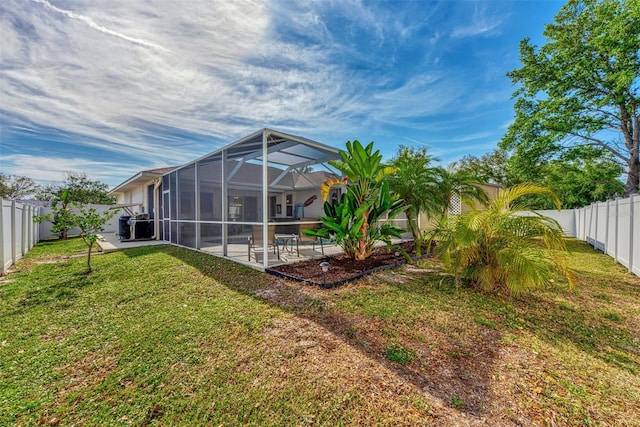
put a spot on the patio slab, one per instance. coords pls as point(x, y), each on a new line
point(109, 242)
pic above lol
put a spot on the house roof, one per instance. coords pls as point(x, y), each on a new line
point(141, 177)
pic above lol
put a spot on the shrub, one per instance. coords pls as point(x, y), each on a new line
point(505, 247)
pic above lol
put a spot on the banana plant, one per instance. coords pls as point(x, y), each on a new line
point(353, 220)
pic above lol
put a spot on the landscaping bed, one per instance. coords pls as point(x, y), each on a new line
point(343, 269)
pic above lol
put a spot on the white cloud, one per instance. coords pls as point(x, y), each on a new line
point(48, 169)
point(135, 77)
point(481, 22)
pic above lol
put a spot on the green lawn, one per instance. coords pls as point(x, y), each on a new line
point(167, 336)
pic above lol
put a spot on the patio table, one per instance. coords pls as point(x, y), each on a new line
point(287, 239)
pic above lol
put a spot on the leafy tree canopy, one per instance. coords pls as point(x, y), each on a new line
point(490, 168)
point(16, 187)
point(583, 86)
point(579, 175)
point(81, 190)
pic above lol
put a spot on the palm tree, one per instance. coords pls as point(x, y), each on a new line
point(506, 247)
point(416, 182)
point(461, 183)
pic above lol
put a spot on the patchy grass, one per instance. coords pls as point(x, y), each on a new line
point(399, 354)
point(164, 335)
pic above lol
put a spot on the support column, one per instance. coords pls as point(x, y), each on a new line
point(197, 207)
point(265, 201)
point(225, 204)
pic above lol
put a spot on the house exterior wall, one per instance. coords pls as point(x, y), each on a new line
point(139, 195)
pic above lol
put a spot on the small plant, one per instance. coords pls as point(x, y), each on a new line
point(456, 402)
point(86, 219)
point(485, 322)
point(612, 316)
point(399, 354)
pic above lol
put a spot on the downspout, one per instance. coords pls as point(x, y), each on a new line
point(156, 220)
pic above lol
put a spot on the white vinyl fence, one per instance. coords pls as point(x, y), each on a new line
point(612, 227)
point(110, 227)
point(18, 231)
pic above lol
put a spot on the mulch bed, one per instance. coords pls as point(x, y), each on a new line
point(342, 269)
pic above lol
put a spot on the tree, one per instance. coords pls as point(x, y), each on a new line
point(353, 221)
point(582, 87)
point(16, 187)
point(67, 214)
point(90, 222)
point(579, 176)
point(81, 190)
point(76, 191)
point(61, 215)
point(490, 168)
point(582, 180)
point(415, 182)
point(500, 249)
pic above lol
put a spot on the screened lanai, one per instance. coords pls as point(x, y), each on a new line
point(251, 199)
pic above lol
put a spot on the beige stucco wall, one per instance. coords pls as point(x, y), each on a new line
point(492, 191)
point(137, 195)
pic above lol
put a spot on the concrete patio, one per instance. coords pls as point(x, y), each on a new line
point(109, 242)
point(238, 252)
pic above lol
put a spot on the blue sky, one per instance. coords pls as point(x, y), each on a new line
point(116, 86)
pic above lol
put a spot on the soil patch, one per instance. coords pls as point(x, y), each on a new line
point(343, 269)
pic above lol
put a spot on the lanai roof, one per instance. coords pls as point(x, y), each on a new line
point(284, 151)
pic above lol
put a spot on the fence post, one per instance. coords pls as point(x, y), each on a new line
point(13, 232)
point(631, 231)
point(606, 229)
point(617, 249)
point(30, 228)
point(1, 237)
point(580, 226)
point(590, 224)
point(595, 237)
point(584, 225)
point(24, 230)
point(36, 225)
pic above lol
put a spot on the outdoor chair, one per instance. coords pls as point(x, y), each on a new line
point(314, 240)
point(255, 241)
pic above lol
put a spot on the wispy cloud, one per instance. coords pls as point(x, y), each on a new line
point(53, 169)
point(481, 22)
point(143, 80)
point(91, 23)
